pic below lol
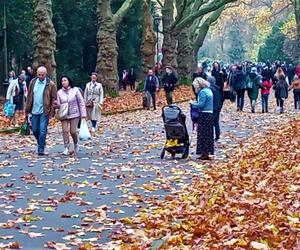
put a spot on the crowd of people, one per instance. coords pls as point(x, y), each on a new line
point(209, 85)
point(38, 96)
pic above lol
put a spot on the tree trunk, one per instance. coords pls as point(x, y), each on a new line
point(107, 57)
point(297, 15)
point(169, 46)
point(44, 37)
point(148, 39)
point(186, 64)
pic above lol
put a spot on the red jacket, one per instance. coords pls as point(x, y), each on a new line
point(266, 86)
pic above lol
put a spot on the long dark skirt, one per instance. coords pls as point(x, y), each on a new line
point(205, 134)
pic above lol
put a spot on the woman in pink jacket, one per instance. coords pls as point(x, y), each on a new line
point(265, 92)
point(76, 110)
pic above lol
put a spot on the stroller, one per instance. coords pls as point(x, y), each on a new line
point(176, 132)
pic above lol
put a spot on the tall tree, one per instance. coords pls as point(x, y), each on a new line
point(44, 37)
point(107, 43)
point(188, 12)
point(148, 38)
point(296, 4)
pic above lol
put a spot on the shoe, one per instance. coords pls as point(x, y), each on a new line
point(41, 153)
point(204, 158)
point(66, 151)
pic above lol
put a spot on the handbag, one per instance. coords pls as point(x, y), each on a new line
point(195, 114)
point(25, 128)
point(62, 113)
point(17, 100)
point(89, 104)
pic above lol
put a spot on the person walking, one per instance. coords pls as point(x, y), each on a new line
point(71, 97)
point(219, 74)
point(281, 92)
point(40, 104)
point(254, 88)
point(239, 81)
point(93, 97)
point(169, 81)
point(16, 93)
point(217, 107)
point(265, 92)
point(131, 78)
point(151, 86)
point(205, 130)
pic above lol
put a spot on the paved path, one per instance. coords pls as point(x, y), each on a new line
point(72, 201)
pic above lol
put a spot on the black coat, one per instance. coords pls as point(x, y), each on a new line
point(220, 77)
point(202, 75)
point(131, 77)
point(169, 82)
point(238, 80)
point(217, 97)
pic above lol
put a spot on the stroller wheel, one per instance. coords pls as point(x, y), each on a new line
point(162, 155)
point(186, 153)
point(173, 155)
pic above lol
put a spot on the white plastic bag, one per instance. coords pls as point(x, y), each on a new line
point(84, 133)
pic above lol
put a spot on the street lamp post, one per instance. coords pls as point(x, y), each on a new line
point(5, 44)
point(157, 20)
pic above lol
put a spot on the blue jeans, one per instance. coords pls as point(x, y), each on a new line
point(264, 103)
point(240, 99)
point(39, 129)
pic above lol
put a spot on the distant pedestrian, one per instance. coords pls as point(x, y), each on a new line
point(255, 84)
point(169, 81)
point(265, 92)
point(71, 97)
point(217, 107)
point(29, 76)
point(124, 79)
point(93, 96)
point(131, 78)
point(205, 131)
point(16, 93)
point(295, 86)
point(40, 104)
point(281, 92)
point(239, 81)
point(151, 86)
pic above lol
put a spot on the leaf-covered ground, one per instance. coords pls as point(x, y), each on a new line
point(119, 194)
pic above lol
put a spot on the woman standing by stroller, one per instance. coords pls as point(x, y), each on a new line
point(205, 131)
point(71, 97)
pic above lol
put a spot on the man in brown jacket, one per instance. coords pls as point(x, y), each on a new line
point(40, 104)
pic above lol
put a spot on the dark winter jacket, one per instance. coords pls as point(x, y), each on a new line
point(169, 81)
point(202, 75)
point(255, 80)
point(151, 85)
point(266, 74)
point(131, 77)
point(238, 80)
point(217, 98)
point(281, 89)
point(220, 78)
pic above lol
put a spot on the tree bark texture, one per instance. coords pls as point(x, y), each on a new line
point(170, 43)
point(148, 39)
point(297, 15)
point(107, 57)
point(107, 67)
point(44, 37)
point(186, 62)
